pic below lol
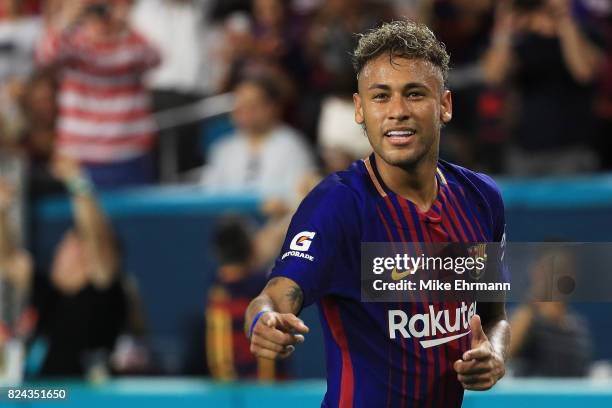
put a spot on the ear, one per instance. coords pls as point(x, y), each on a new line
point(446, 107)
point(359, 116)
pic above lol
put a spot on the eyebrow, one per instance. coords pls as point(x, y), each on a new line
point(406, 86)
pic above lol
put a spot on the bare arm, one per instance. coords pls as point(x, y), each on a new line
point(7, 244)
point(91, 223)
point(94, 226)
point(497, 60)
point(60, 17)
point(15, 263)
point(581, 57)
point(278, 328)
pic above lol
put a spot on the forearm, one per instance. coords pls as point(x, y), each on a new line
point(95, 230)
point(581, 57)
point(262, 303)
point(498, 333)
point(280, 295)
point(497, 60)
point(89, 219)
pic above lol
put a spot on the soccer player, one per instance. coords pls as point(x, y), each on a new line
point(402, 193)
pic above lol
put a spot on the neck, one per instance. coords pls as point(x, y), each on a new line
point(416, 183)
point(257, 137)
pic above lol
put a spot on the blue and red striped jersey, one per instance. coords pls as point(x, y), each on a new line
point(370, 362)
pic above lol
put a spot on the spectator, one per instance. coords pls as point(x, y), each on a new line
point(340, 139)
point(264, 156)
point(81, 303)
point(18, 35)
point(548, 338)
point(329, 42)
point(236, 283)
point(15, 274)
point(475, 138)
point(552, 63)
point(190, 70)
point(182, 31)
point(104, 120)
point(268, 43)
point(331, 37)
point(599, 14)
point(39, 107)
point(13, 171)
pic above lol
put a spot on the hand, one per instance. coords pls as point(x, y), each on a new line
point(560, 9)
point(69, 269)
point(65, 168)
point(481, 366)
point(64, 13)
point(273, 335)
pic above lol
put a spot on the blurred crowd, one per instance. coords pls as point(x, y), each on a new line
point(82, 82)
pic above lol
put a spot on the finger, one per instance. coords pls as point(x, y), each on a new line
point(263, 343)
point(471, 367)
point(478, 334)
point(275, 336)
point(292, 322)
point(481, 386)
point(263, 353)
point(479, 353)
point(473, 379)
point(268, 319)
point(297, 339)
point(288, 351)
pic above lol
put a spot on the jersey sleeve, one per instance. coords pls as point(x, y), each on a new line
point(322, 242)
point(499, 265)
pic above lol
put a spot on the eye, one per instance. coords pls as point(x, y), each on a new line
point(414, 95)
point(380, 96)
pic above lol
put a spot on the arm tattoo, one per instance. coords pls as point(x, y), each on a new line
point(295, 296)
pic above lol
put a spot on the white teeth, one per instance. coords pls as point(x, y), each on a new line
point(400, 133)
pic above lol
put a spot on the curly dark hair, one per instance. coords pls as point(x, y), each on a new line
point(403, 39)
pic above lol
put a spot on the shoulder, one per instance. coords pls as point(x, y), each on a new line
point(336, 197)
point(478, 182)
point(333, 191)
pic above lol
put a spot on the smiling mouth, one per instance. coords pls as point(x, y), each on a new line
point(400, 133)
point(399, 137)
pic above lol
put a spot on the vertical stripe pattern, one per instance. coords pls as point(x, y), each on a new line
point(433, 381)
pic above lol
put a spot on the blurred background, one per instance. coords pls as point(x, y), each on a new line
point(152, 153)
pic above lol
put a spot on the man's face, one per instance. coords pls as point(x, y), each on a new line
point(253, 112)
point(402, 106)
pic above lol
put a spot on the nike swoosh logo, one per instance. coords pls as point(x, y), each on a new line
point(395, 275)
point(437, 342)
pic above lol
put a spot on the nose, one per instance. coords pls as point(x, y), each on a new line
point(398, 109)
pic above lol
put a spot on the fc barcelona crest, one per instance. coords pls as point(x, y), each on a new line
point(478, 251)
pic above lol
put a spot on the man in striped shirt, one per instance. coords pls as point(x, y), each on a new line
point(379, 354)
point(104, 121)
